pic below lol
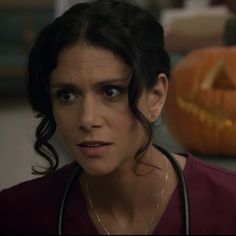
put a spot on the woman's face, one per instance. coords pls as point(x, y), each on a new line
point(89, 92)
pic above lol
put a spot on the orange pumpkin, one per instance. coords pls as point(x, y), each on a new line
point(201, 105)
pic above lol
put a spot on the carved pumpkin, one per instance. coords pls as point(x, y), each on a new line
point(201, 104)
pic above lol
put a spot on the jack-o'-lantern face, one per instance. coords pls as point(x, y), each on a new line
point(201, 106)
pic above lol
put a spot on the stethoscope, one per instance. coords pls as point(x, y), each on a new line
point(180, 176)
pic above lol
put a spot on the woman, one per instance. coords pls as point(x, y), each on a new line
point(98, 75)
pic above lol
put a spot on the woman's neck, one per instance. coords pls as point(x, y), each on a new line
point(125, 192)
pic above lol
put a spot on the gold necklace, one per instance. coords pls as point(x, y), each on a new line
point(156, 206)
point(161, 197)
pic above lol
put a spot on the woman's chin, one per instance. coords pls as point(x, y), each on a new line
point(96, 171)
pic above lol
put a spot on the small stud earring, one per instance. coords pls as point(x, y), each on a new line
point(153, 117)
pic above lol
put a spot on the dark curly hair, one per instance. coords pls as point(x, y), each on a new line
point(118, 25)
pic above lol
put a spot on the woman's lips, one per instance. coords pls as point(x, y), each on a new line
point(94, 149)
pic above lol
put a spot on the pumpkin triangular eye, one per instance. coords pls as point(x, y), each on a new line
point(217, 78)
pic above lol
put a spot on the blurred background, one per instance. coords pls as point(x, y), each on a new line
point(188, 24)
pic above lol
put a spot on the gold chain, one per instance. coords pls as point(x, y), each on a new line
point(161, 197)
point(156, 206)
point(95, 212)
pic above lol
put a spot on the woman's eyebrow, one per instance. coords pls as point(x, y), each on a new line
point(63, 84)
point(113, 80)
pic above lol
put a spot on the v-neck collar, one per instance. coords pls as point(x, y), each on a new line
point(166, 220)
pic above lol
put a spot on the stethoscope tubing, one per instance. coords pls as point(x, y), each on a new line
point(72, 178)
point(183, 188)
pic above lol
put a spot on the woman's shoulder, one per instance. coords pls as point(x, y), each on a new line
point(32, 206)
point(208, 180)
point(211, 179)
point(36, 188)
point(197, 164)
point(212, 196)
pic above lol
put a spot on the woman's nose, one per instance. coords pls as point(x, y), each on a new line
point(90, 115)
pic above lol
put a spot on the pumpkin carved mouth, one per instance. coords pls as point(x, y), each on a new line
point(210, 116)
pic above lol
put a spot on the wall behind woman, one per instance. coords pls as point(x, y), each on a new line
point(20, 21)
point(17, 125)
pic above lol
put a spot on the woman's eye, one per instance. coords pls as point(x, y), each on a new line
point(66, 95)
point(111, 91)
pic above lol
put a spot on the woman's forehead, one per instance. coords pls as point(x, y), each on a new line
point(89, 62)
point(85, 54)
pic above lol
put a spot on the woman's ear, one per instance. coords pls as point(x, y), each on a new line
point(156, 97)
